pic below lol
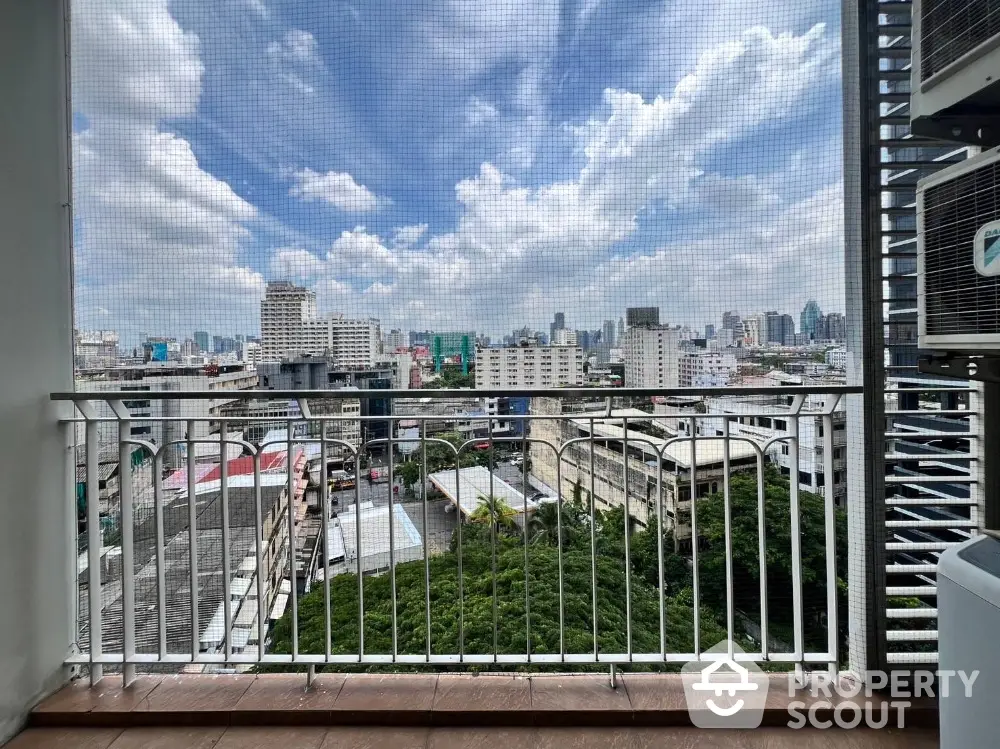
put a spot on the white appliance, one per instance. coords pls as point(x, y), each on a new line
point(955, 67)
point(958, 256)
point(968, 587)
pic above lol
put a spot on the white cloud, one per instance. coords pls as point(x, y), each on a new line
point(336, 188)
point(519, 252)
point(407, 236)
point(160, 238)
point(297, 47)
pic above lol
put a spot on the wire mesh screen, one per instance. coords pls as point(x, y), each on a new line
point(297, 196)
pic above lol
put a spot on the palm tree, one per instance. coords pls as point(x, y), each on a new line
point(544, 524)
point(494, 511)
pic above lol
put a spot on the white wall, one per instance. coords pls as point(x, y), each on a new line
point(35, 285)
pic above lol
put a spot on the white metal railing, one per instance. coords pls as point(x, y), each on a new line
point(208, 555)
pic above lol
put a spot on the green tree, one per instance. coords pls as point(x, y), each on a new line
point(496, 512)
point(544, 526)
point(409, 473)
point(778, 557)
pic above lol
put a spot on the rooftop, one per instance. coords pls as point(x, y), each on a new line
point(473, 484)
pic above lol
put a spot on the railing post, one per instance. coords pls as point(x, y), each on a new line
point(128, 549)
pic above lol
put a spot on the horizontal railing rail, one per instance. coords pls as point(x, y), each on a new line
point(587, 537)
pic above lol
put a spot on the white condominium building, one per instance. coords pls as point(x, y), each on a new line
point(290, 327)
point(651, 356)
point(529, 367)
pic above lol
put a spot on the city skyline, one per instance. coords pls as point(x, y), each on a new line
point(528, 161)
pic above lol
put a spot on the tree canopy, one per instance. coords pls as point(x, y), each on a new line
point(517, 610)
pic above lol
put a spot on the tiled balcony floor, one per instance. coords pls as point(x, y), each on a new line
point(401, 711)
point(369, 737)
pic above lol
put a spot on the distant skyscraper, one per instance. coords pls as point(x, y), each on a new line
point(642, 316)
point(394, 339)
point(608, 334)
point(780, 328)
point(621, 331)
point(811, 315)
point(730, 320)
point(201, 340)
point(558, 323)
point(709, 332)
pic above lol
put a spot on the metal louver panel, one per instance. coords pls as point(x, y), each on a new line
point(952, 28)
point(958, 300)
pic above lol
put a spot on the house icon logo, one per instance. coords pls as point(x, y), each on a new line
point(723, 691)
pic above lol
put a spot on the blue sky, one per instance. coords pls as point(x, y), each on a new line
point(464, 164)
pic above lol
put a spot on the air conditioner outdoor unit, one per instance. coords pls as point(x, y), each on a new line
point(958, 256)
point(955, 71)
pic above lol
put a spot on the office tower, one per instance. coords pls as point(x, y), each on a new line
point(608, 334)
point(621, 330)
point(730, 320)
point(558, 323)
point(709, 332)
point(201, 340)
point(642, 316)
point(810, 316)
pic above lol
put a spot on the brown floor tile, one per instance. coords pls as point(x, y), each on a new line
point(482, 738)
point(64, 738)
point(267, 737)
point(786, 738)
point(285, 696)
point(649, 692)
point(107, 695)
point(475, 693)
point(637, 738)
point(577, 694)
point(365, 737)
point(168, 738)
point(197, 694)
point(390, 693)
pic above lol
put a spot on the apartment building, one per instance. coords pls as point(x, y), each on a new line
point(290, 326)
point(706, 369)
point(529, 367)
point(147, 415)
point(651, 356)
point(657, 471)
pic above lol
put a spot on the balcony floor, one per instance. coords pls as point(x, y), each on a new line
point(373, 737)
point(402, 711)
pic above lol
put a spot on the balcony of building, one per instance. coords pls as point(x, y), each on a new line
point(181, 608)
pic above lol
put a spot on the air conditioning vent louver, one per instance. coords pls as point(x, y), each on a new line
point(953, 28)
point(955, 72)
point(960, 308)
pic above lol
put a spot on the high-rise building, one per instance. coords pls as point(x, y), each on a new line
point(283, 313)
point(529, 366)
point(95, 348)
point(558, 323)
point(831, 327)
point(730, 320)
point(395, 339)
point(621, 331)
point(642, 316)
point(755, 330)
point(651, 354)
point(709, 332)
point(564, 337)
point(291, 327)
point(201, 340)
point(608, 334)
point(780, 328)
point(810, 316)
